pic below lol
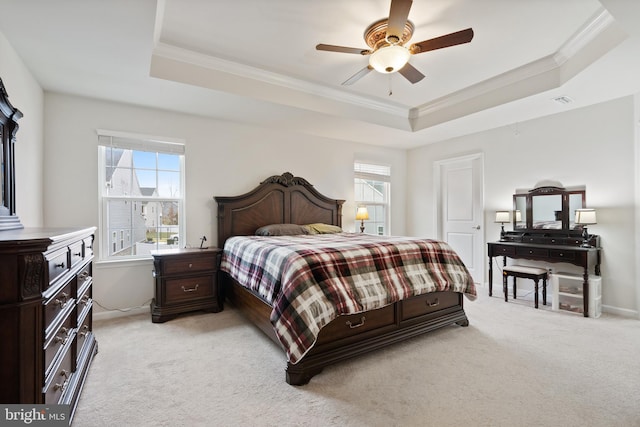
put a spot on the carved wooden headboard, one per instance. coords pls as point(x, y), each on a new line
point(279, 199)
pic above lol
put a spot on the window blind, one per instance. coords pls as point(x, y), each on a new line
point(131, 141)
point(373, 172)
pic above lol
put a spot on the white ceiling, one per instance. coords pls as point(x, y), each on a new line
point(254, 61)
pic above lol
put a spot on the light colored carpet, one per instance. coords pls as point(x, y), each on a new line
point(513, 366)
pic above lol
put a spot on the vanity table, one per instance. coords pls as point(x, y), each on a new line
point(543, 230)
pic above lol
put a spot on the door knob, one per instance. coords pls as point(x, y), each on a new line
point(477, 227)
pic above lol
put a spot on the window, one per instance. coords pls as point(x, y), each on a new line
point(372, 189)
point(141, 195)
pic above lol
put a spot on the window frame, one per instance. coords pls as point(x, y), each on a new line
point(134, 142)
point(379, 172)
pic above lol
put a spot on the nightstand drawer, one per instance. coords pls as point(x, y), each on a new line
point(186, 280)
point(188, 265)
point(188, 288)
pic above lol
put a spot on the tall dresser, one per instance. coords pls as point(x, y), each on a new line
point(46, 336)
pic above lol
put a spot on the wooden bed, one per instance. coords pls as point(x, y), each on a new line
point(288, 199)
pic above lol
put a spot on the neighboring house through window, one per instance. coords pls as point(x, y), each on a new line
point(372, 190)
point(141, 196)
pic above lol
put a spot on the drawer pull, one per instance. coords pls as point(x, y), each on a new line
point(64, 385)
point(434, 304)
point(85, 300)
point(77, 254)
point(190, 265)
point(62, 301)
point(61, 265)
point(64, 340)
point(195, 288)
point(357, 325)
point(85, 331)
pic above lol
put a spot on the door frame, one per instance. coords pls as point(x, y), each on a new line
point(437, 170)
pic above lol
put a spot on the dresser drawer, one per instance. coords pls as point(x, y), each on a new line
point(88, 247)
point(84, 278)
point(84, 303)
point(60, 378)
point(428, 303)
point(188, 265)
point(57, 264)
point(76, 253)
point(354, 324)
point(188, 288)
point(59, 303)
point(560, 254)
point(536, 252)
point(58, 341)
point(84, 329)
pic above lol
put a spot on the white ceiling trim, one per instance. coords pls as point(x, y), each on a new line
point(187, 56)
point(588, 44)
point(593, 29)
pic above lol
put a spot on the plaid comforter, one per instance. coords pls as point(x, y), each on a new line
point(309, 280)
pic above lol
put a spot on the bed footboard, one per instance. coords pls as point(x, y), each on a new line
point(357, 334)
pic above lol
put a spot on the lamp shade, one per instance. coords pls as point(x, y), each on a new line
point(503, 216)
point(586, 216)
point(362, 213)
point(389, 59)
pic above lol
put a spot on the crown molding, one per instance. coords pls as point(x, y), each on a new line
point(537, 76)
point(543, 74)
point(179, 54)
point(593, 29)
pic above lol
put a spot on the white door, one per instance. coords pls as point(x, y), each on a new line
point(460, 213)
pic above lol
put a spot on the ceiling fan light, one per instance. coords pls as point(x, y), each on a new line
point(389, 59)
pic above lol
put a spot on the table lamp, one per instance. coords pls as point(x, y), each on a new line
point(362, 214)
point(585, 217)
point(502, 217)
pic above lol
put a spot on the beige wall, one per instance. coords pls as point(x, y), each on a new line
point(57, 182)
point(222, 159)
point(593, 146)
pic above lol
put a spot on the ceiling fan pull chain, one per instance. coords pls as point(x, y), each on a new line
point(390, 89)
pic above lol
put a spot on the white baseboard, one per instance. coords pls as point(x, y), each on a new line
point(112, 314)
point(623, 312)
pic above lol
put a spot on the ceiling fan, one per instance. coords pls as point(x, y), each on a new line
point(386, 39)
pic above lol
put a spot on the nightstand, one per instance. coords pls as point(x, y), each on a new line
point(186, 280)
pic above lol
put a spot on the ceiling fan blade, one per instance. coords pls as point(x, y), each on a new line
point(459, 37)
point(343, 49)
point(410, 73)
point(398, 15)
point(357, 76)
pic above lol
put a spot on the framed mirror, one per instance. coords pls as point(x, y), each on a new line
point(546, 211)
point(520, 211)
point(547, 207)
point(576, 201)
